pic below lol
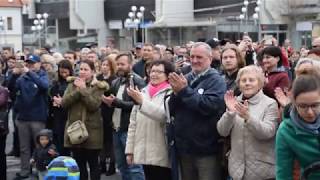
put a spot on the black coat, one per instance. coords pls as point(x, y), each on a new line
point(127, 102)
point(106, 111)
point(42, 157)
point(59, 115)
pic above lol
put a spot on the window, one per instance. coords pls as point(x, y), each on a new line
point(9, 23)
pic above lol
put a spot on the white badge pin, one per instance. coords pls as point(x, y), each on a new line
point(200, 91)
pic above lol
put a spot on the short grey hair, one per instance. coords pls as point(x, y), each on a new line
point(204, 45)
point(251, 69)
point(307, 60)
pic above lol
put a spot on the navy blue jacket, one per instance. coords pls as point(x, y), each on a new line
point(196, 110)
point(139, 68)
point(32, 96)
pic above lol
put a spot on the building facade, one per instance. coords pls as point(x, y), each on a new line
point(11, 24)
point(73, 23)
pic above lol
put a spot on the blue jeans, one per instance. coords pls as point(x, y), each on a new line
point(128, 172)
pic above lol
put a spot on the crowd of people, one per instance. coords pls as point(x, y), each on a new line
point(201, 111)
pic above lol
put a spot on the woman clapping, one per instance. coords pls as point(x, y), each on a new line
point(251, 121)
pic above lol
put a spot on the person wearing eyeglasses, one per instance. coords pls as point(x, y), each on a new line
point(298, 135)
point(146, 143)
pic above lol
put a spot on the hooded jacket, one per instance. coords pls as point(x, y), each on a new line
point(87, 100)
point(40, 155)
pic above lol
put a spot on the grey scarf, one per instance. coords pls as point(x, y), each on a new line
point(313, 128)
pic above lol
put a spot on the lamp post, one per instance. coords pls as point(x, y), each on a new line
point(244, 15)
point(136, 18)
point(40, 23)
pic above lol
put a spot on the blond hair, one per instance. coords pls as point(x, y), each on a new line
point(251, 69)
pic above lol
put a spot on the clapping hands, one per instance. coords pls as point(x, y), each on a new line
point(135, 94)
point(234, 106)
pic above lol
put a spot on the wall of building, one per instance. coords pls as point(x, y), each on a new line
point(174, 13)
point(12, 37)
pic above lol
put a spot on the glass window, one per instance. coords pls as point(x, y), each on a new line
point(283, 27)
point(9, 23)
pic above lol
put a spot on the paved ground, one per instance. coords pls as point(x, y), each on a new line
point(14, 163)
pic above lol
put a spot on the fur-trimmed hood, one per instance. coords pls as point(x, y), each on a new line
point(94, 82)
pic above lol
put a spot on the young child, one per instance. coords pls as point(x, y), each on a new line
point(44, 153)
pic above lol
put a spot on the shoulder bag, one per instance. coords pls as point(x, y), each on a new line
point(77, 131)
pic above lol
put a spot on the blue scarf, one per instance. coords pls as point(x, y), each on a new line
point(313, 128)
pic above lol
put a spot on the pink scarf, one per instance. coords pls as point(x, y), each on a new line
point(154, 89)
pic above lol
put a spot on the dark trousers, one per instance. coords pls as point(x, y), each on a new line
point(16, 144)
point(107, 151)
point(3, 161)
point(156, 172)
point(84, 156)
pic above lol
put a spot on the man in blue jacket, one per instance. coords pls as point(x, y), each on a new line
point(32, 107)
point(196, 105)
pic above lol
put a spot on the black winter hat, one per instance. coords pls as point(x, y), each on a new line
point(213, 43)
point(45, 132)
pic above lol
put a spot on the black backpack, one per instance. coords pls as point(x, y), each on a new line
point(312, 168)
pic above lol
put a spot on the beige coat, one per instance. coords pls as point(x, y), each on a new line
point(146, 133)
point(252, 154)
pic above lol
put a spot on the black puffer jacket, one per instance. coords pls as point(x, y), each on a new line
point(127, 102)
point(41, 154)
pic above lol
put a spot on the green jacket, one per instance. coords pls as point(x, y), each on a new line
point(293, 143)
point(89, 100)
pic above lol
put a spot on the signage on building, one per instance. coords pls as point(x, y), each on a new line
point(304, 26)
point(146, 24)
point(115, 24)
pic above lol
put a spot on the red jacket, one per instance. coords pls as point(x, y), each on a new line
point(276, 79)
point(284, 57)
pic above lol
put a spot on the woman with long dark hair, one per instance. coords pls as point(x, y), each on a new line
point(59, 114)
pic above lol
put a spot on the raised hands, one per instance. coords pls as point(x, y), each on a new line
point(57, 100)
point(135, 94)
point(80, 83)
point(230, 101)
point(234, 106)
point(242, 109)
point(177, 82)
point(281, 97)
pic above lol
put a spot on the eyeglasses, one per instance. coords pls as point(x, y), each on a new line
point(305, 107)
point(156, 72)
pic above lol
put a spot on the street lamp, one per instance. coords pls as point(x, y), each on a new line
point(40, 23)
point(136, 18)
point(244, 14)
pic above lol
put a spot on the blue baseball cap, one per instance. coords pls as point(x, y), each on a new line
point(33, 58)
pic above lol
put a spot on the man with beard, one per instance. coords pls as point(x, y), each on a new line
point(122, 104)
